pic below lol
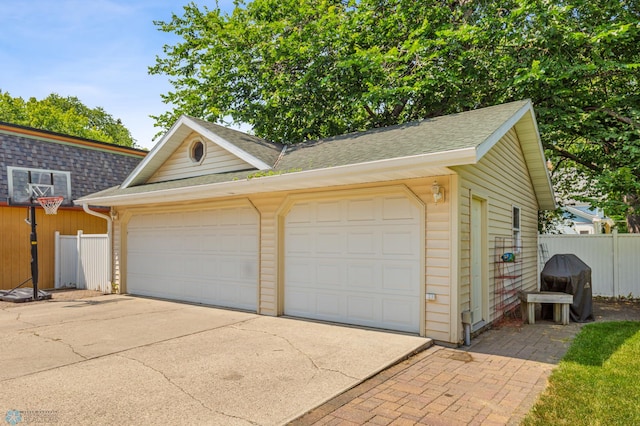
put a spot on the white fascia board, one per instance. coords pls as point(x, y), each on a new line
point(540, 152)
point(412, 166)
point(228, 146)
point(539, 173)
point(154, 152)
point(493, 139)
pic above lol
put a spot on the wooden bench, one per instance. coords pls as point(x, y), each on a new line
point(561, 303)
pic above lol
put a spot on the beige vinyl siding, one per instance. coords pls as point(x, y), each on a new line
point(464, 265)
point(216, 160)
point(267, 205)
point(501, 177)
point(438, 256)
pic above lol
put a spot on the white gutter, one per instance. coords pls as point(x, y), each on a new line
point(85, 207)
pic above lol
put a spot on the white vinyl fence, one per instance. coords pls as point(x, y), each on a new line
point(614, 260)
point(83, 261)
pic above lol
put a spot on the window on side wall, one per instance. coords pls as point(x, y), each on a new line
point(517, 234)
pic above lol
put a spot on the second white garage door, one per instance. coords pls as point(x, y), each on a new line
point(355, 261)
point(208, 256)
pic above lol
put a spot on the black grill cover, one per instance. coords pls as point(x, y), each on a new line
point(566, 273)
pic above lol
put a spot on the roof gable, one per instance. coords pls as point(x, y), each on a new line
point(239, 150)
point(215, 159)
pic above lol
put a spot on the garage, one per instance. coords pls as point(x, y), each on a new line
point(207, 256)
point(355, 261)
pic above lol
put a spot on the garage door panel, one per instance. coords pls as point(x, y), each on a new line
point(400, 312)
point(358, 265)
point(362, 309)
point(298, 243)
point(328, 275)
point(227, 269)
point(327, 306)
point(299, 273)
point(399, 242)
point(301, 215)
point(208, 256)
point(360, 210)
point(398, 209)
point(327, 213)
point(361, 276)
point(399, 278)
point(188, 290)
point(362, 242)
point(329, 242)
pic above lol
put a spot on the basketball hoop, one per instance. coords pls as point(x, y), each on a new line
point(50, 204)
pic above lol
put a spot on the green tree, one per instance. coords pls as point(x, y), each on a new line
point(304, 69)
point(65, 115)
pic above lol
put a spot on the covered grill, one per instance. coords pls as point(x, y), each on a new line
point(568, 274)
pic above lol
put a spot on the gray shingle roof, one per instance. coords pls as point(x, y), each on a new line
point(446, 133)
point(92, 169)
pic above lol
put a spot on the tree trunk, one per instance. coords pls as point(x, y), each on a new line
point(633, 217)
point(633, 223)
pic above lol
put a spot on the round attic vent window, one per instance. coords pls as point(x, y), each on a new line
point(197, 152)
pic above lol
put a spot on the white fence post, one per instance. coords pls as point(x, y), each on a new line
point(616, 264)
point(79, 275)
point(56, 260)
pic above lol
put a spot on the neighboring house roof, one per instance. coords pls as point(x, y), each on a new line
point(423, 148)
point(585, 214)
point(94, 165)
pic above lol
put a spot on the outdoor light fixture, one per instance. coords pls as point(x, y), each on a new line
point(438, 193)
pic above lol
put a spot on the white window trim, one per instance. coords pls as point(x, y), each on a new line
point(204, 151)
point(516, 231)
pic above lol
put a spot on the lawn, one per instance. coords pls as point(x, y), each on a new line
point(598, 380)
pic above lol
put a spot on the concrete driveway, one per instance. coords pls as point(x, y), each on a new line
point(125, 360)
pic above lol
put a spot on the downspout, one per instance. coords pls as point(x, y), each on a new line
point(85, 207)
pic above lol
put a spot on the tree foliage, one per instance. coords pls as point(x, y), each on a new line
point(65, 115)
point(304, 69)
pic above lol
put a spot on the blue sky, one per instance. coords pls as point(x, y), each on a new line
point(96, 50)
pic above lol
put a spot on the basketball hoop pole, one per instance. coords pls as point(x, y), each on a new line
point(34, 253)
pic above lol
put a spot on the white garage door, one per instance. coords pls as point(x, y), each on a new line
point(208, 256)
point(355, 261)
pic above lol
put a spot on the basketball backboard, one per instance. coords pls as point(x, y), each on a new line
point(26, 185)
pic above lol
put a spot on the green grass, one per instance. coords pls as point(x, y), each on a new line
point(597, 382)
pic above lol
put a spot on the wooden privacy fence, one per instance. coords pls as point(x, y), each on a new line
point(614, 260)
point(83, 261)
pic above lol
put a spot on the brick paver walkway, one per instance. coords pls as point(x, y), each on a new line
point(494, 381)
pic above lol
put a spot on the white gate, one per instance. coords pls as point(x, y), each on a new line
point(83, 261)
point(613, 259)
